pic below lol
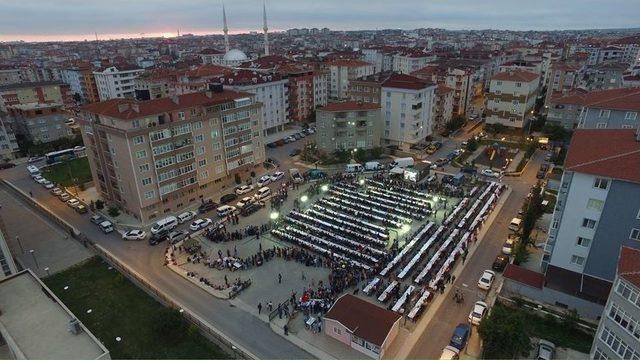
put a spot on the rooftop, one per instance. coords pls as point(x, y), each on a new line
point(25, 85)
point(629, 265)
point(34, 106)
point(348, 62)
point(350, 106)
point(515, 75)
point(364, 319)
point(402, 81)
point(524, 276)
point(132, 109)
point(618, 99)
point(37, 322)
point(613, 153)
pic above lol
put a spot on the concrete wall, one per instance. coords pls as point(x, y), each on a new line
point(332, 327)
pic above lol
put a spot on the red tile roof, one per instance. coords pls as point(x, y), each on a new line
point(629, 265)
point(524, 276)
point(350, 106)
point(617, 99)
point(364, 319)
point(210, 51)
point(132, 109)
point(443, 89)
point(207, 70)
point(613, 153)
point(402, 81)
point(515, 75)
point(348, 62)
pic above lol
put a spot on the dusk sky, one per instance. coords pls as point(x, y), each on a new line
point(79, 19)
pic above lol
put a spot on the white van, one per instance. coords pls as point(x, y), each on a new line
point(262, 193)
point(515, 224)
point(372, 166)
point(225, 210)
point(165, 224)
point(106, 227)
point(351, 168)
point(33, 170)
point(403, 162)
point(186, 216)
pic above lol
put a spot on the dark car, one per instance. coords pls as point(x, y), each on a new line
point(544, 167)
point(272, 145)
point(315, 174)
point(541, 174)
point(295, 152)
point(159, 237)
point(441, 162)
point(227, 198)
point(469, 170)
point(500, 262)
point(7, 165)
point(251, 208)
point(207, 206)
point(447, 179)
point(460, 336)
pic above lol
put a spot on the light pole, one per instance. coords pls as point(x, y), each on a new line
point(47, 271)
point(20, 244)
point(33, 255)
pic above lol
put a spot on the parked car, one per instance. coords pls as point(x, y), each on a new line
point(159, 237)
point(227, 198)
point(200, 224)
point(64, 197)
point(277, 176)
point(507, 247)
point(541, 174)
point(73, 202)
point(302, 134)
point(106, 226)
point(264, 180)
point(450, 353)
point(186, 216)
point(544, 167)
point(272, 145)
point(486, 280)
point(96, 219)
point(251, 208)
point(56, 191)
point(7, 165)
point(295, 152)
point(432, 178)
point(545, 350)
point(225, 210)
point(40, 180)
point(490, 173)
point(297, 136)
point(177, 236)
point(442, 162)
point(479, 311)
point(315, 174)
point(48, 185)
point(134, 235)
point(243, 189)
point(289, 139)
point(460, 336)
point(500, 262)
point(244, 202)
point(35, 159)
point(81, 209)
point(207, 206)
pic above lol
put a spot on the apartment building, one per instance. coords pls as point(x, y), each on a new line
point(407, 107)
point(7, 265)
point(35, 92)
point(8, 145)
point(565, 110)
point(618, 334)
point(511, 99)
point(81, 81)
point(300, 89)
point(320, 87)
point(563, 77)
point(341, 72)
point(630, 49)
point(348, 125)
point(410, 60)
point(368, 88)
point(611, 109)
point(603, 76)
point(211, 56)
point(117, 81)
point(155, 84)
point(9, 75)
point(443, 107)
point(40, 123)
point(161, 156)
point(270, 90)
point(461, 81)
point(597, 212)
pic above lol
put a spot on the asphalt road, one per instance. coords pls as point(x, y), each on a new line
point(437, 334)
point(246, 329)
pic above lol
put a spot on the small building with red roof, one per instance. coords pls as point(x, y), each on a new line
point(511, 98)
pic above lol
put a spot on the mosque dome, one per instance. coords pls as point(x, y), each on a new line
point(235, 55)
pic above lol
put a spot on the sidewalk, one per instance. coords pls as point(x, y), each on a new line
point(282, 134)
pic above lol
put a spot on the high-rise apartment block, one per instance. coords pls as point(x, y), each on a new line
point(163, 155)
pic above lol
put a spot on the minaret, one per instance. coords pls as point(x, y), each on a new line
point(265, 28)
point(225, 29)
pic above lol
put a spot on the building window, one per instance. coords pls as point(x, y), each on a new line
point(628, 293)
point(599, 355)
point(202, 162)
point(199, 138)
point(601, 125)
point(624, 319)
point(578, 260)
point(588, 223)
point(630, 115)
point(584, 242)
point(146, 181)
point(181, 115)
point(618, 346)
point(204, 174)
point(141, 154)
point(601, 183)
point(217, 157)
point(138, 140)
point(595, 204)
point(605, 113)
point(197, 125)
point(635, 234)
point(200, 150)
point(144, 167)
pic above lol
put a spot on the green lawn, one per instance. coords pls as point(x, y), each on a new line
point(120, 309)
point(61, 173)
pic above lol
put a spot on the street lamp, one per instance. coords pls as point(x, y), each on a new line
point(325, 188)
point(304, 198)
point(361, 182)
point(33, 255)
point(405, 229)
point(274, 215)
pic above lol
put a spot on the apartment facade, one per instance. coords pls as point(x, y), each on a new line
point(348, 125)
point(611, 109)
point(597, 212)
point(7, 265)
point(270, 90)
point(512, 97)
point(8, 144)
point(81, 81)
point(158, 157)
point(40, 123)
point(9, 75)
point(407, 108)
point(320, 87)
point(341, 72)
point(117, 81)
point(300, 89)
point(406, 62)
point(35, 92)
point(443, 107)
point(368, 88)
point(618, 334)
point(563, 77)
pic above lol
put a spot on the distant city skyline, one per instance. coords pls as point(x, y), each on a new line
point(46, 20)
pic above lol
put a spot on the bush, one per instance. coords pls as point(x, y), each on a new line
point(113, 211)
point(455, 123)
point(504, 334)
point(99, 204)
point(472, 145)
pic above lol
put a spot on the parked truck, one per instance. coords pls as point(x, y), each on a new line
point(296, 177)
point(403, 163)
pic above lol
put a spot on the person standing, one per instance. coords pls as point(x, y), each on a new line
point(279, 278)
point(259, 308)
point(286, 329)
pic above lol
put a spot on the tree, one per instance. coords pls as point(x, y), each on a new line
point(455, 123)
point(99, 204)
point(113, 211)
point(503, 334)
point(77, 97)
point(555, 132)
point(472, 144)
